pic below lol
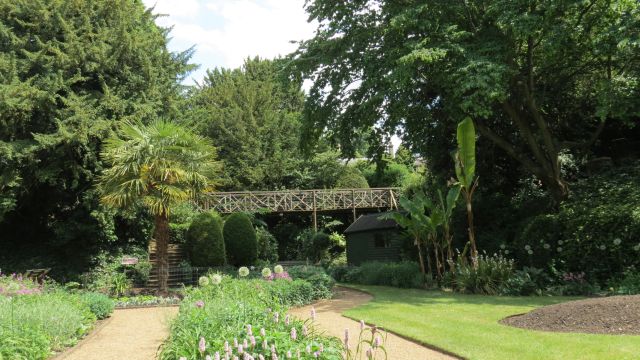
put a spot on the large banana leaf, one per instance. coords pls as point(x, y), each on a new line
point(466, 155)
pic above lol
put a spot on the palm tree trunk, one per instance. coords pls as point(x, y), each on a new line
point(161, 234)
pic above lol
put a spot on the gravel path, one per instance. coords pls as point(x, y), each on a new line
point(131, 334)
point(330, 319)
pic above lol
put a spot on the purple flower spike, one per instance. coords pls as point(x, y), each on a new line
point(199, 304)
point(313, 313)
point(294, 334)
point(202, 345)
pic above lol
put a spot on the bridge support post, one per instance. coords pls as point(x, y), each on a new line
point(315, 213)
point(353, 204)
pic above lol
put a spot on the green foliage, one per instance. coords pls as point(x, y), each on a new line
point(240, 240)
point(179, 221)
point(386, 173)
point(594, 231)
point(69, 73)
point(466, 154)
point(404, 274)
point(321, 282)
point(35, 325)
point(351, 178)
point(253, 117)
point(267, 246)
point(107, 275)
point(205, 241)
point(426, 67)
point(488, 277)
point(228, 308)
point(526, 282)
point(99, 304)
point(629, 284)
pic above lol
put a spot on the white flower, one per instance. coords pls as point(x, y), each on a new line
point(203, 281)
point(546, 246)
point(527, 247)
point(530, 252)
point(502, 246)
point(617, 241)
point(243, 271)
point(216, 279)
point(559, 249)
point(266, 272)
point(637, 247)
point(506, 252)
point(603, 247)
point(278, 269)
point(560, 242)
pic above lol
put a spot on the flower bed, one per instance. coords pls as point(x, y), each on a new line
point(36, 320)
point(145, 301)
point(230, 317)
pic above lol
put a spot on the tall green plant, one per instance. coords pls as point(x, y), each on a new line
point(446, 206)
point(156, 166)
point(465, 162)
point(415, 222)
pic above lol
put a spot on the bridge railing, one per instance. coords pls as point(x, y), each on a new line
point(300, 200)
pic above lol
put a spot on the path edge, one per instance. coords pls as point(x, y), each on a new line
point(417, 342)
point(94, 331)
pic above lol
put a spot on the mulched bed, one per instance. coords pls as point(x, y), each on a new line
point(611, 315)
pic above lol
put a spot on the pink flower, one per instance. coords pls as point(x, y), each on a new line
point(245, 344)
point(199, 304)
point(240, 349)
point(321, 347)
point(208, 357)
point(377, 342)
point(362, 326)
point(304, 330)
point(294, 334)
point(286, 320)
point(216, 356)
point(288, 354)
point(263, 332)
point(235, 342)
point(276, 317)
point(202, 346)
point(313, 313)
point(252, 340)
point(265, 345)
point(226, 346)
point(260, 357)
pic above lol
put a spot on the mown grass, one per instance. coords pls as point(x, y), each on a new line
point(467, 325)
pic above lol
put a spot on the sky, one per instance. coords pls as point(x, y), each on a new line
point(225, 32)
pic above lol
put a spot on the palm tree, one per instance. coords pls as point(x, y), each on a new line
point(156, 166)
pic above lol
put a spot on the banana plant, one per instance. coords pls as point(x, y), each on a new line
point(446, 207)
point(415, 222)
point(465, 163)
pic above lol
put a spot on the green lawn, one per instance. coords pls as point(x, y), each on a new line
point(467, 325)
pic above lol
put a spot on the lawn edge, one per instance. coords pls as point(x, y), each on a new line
point(418, 342)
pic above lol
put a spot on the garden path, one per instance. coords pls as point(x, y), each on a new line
point(329, 318)
point(132, 334)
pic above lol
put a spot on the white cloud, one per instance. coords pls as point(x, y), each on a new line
point(225, 32)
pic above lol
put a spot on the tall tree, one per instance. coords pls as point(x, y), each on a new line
point(537, 77)
point(69, 71)
point(253, 115)
point(157, 167)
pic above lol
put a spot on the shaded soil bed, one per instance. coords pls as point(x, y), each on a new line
point(614, 315)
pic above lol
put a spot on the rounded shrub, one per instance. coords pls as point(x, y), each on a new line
point(205, 241)
point(240, 240)
point(351, 178)
point(99, 304)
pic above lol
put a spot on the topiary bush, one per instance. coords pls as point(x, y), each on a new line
point(99, 304)
point(205, 241)
point(240, 240)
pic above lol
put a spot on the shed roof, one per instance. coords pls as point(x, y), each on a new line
point(371, 222)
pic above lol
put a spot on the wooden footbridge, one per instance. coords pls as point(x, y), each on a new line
point(301, 200)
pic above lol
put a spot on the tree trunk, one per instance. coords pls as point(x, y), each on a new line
point(472, 234)
point(449, 249)
point(422, 268)
point(161, 235)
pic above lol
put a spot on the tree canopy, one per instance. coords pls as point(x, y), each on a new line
point(538, 78)
point(69, 71)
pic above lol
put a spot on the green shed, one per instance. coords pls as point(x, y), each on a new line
point(370, 238)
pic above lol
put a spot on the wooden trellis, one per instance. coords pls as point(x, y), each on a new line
point(301, 200)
